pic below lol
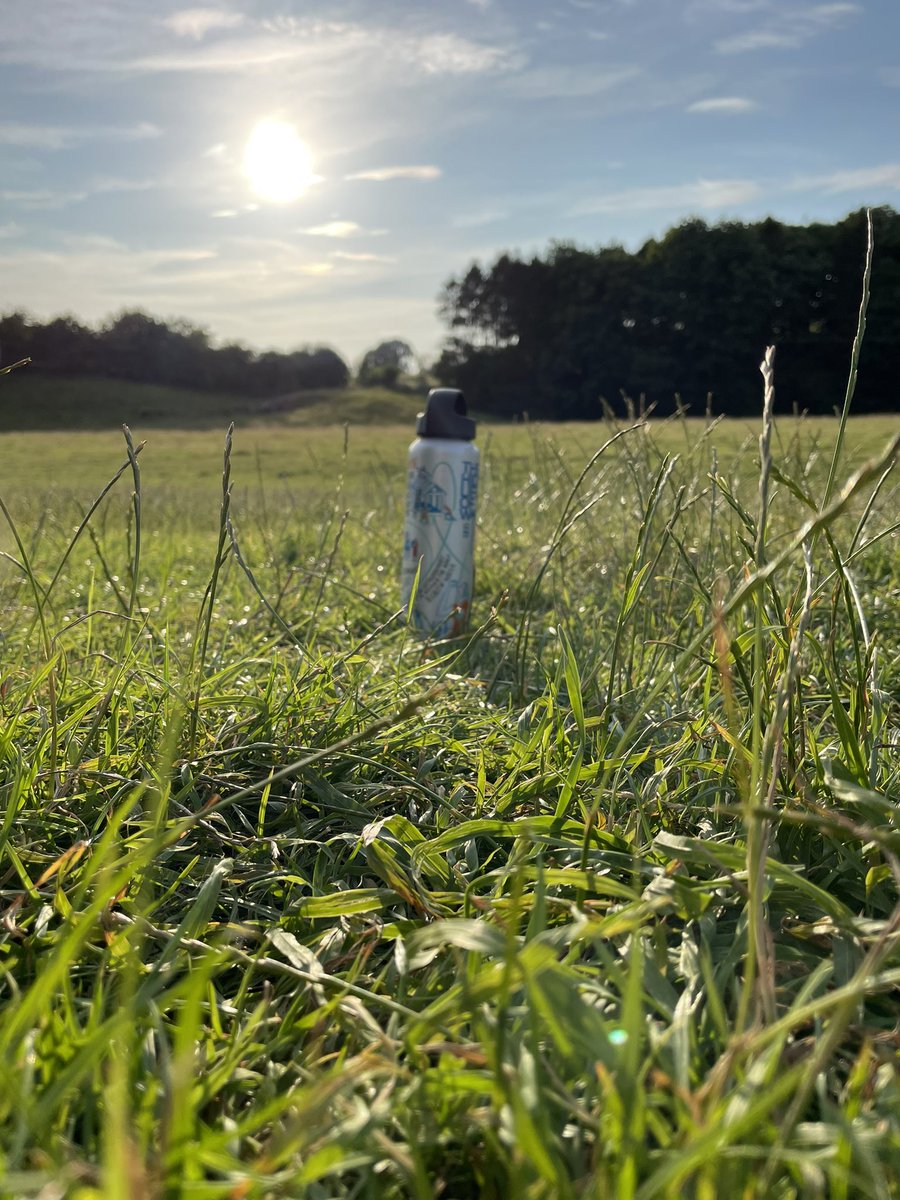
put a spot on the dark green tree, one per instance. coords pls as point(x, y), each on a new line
point(385, 364)
point(683, 316)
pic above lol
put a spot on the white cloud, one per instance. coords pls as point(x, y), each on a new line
point(34, 198)
point(723, 104)
point(718, 195)
point(703, 9)
point(49, 36)
point(196, 23)
point(59, 137)
point(451, 54)
point(363, 256)
point(335, 229)
point(104, 184)
point(120, 37)
point(10, 230)
point(567, 82)
point(107, 270)
point(788, 29)
point(474, 220)
point(343, 48)
point(759, 39)
point(383, 174)
point(37, 137)
point(828, 13)
point(705, 194)
point(886, 177)
point(48, 198)
point(250, 52)
point(612, 91)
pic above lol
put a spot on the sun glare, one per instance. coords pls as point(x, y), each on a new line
point(277, 162)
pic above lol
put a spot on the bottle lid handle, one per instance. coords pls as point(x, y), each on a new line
point(445, 416)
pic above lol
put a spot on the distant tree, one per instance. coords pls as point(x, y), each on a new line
point(386, 363)
point(323, 368)
point(186, 356)
point(231, 369)
point(132, 346)
point(16, 338)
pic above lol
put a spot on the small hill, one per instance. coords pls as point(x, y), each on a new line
point(30, 401)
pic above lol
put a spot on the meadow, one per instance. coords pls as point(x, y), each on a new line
point(601, 900)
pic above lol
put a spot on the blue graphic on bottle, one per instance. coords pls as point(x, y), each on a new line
point(468, 491)
point(430, 496)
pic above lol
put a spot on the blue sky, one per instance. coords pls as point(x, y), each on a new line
point(438, 132)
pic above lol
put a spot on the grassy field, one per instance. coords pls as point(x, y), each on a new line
point(601, 901)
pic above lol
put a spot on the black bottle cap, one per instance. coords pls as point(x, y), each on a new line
point(445, 416)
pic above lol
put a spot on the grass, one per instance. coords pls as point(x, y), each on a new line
point(304, 462)
point(602, 901)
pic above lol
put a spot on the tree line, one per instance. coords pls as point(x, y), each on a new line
point(683, 321)
point(142, 349)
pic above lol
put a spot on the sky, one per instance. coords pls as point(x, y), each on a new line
point(295, 172)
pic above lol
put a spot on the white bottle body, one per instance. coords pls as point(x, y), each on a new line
point(441, 498)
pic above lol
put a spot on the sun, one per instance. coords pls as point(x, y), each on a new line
point(277, 162)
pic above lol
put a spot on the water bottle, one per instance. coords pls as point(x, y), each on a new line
point(442, 492)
